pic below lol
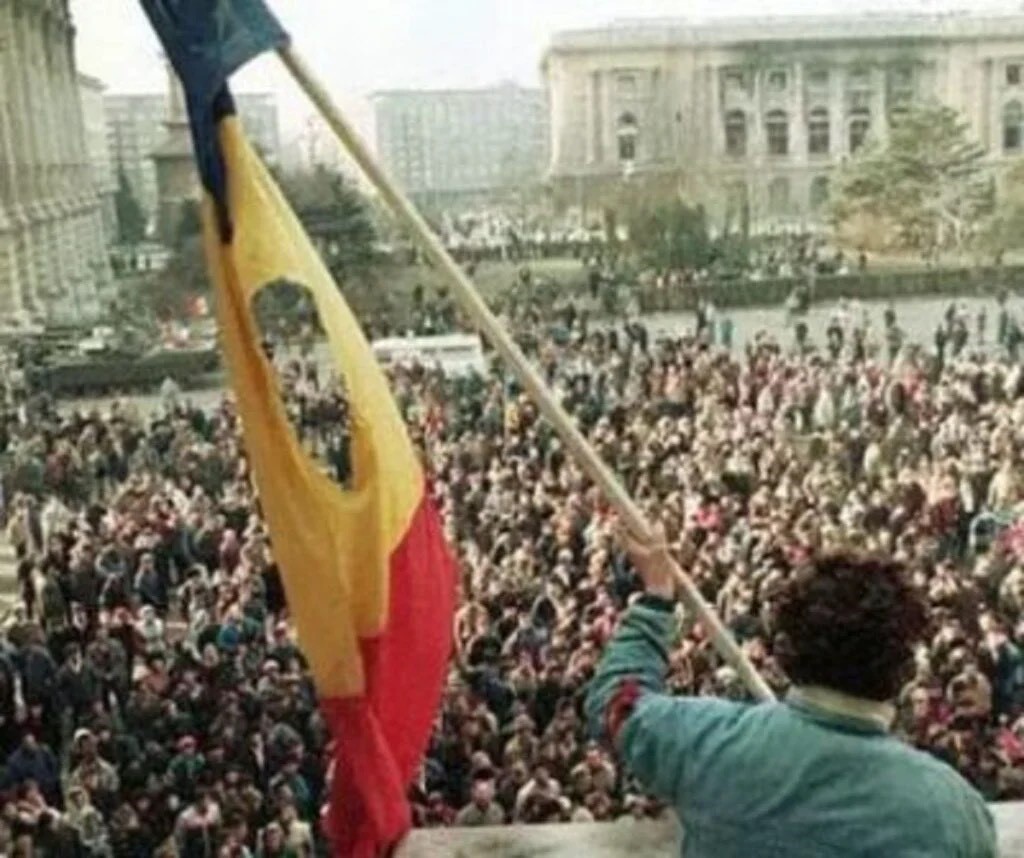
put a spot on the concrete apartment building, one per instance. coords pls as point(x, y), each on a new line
point(750, 117)
point(136, 129)
point(447, 147)
point(97, 145)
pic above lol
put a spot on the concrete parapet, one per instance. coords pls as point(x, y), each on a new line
point(612, 840)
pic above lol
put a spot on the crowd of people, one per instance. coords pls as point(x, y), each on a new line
point(153, 700)
point(495, 236)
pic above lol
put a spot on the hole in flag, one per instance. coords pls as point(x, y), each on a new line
point(312, 391)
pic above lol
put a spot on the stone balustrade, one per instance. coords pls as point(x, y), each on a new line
point(614, 840)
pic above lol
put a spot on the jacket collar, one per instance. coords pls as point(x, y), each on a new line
point(841, 710)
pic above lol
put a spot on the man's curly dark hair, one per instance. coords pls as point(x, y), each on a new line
point(850, 623)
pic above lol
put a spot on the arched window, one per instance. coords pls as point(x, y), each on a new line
point(736, 133)
point(777, 129)
point(819, 193)
point(819, 132)
point(1013, 119)
point(860, 127)
point(627, 132)
point(778, 196)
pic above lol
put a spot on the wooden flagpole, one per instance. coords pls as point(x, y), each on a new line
point(488, 325)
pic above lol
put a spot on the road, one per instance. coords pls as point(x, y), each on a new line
point(918, 318)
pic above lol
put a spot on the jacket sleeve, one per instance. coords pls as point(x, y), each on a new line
point(666, 742)
point(636, 659)
point(625, 704)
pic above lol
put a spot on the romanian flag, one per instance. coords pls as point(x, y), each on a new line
point(369, 579)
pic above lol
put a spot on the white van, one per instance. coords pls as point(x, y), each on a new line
point(455, 354)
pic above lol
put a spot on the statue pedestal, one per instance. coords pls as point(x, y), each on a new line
point(625, 839)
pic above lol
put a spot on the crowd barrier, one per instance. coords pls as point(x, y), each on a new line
point(865, 286)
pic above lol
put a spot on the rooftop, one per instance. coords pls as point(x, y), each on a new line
point(675, 32)
point(89, 82)
point(495, 89)
point(144, 98)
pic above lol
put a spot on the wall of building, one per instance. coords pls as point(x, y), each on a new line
point(53, 261)
point(97, 145)
point(443, 145)
point(258, 112)
point(136, 129)
point(663, 101)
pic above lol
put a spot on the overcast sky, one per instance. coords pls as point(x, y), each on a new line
point(359, 47)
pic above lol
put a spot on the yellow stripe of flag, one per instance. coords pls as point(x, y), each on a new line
point(333, 546)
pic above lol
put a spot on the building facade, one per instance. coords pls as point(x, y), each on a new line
point(750, 118)
point(97, 147)
point(177, 182)
point(53, 258)
point(136, 129)
point(450, 146)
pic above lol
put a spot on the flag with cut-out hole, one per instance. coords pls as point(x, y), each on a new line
point(369, 579)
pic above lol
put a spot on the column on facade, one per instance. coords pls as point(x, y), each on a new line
point(720, 186)
point(34, 26)
point(756, 142)
point(34, 95)
point(75, 189)
point(96, 262)
point(758, 148)
point(609, 121)
point(838, 112)
point(991, 137)
point(798, 112)
point(879, 104)
point(54, 35)
point(593, 117)
point(716, 115)
point(799, 191)
point(11, 298)
point(60, 261)
point(657, 111)
point(56, 111)
point(555, 110)
point(78, 145)
point(22, 134)
point(24, 12)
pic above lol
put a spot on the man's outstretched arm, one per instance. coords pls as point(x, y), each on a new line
point(663, 740)
point(626, 706)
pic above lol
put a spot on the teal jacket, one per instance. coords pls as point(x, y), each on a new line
point(781, 780)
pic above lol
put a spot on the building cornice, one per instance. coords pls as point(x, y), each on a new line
point(498, 89)
point(89, 82)
point(662, 34)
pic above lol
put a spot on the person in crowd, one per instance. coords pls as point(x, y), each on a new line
point(483, 809)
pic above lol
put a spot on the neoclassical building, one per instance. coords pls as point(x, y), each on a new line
point(750, 117)
point(53, 259)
